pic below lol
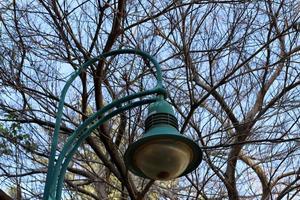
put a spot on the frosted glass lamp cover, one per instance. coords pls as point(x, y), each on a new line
point(163, 159)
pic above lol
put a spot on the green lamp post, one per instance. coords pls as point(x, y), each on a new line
point(161, 154)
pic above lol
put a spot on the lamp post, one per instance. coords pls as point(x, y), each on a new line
point(161, 154)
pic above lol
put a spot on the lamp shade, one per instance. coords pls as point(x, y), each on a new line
point(162, 153)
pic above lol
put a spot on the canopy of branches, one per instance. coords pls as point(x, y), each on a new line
point(231, 69)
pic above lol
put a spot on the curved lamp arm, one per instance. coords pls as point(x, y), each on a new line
point(57, 169)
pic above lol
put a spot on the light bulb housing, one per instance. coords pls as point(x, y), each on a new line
point(162, 153)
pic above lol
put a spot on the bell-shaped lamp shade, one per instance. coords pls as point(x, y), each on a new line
point(162, 153)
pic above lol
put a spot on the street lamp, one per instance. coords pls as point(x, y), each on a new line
point(161, 154)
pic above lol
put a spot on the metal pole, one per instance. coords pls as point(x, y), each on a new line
point(52, 190)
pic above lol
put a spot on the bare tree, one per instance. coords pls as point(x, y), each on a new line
point(231, 69)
